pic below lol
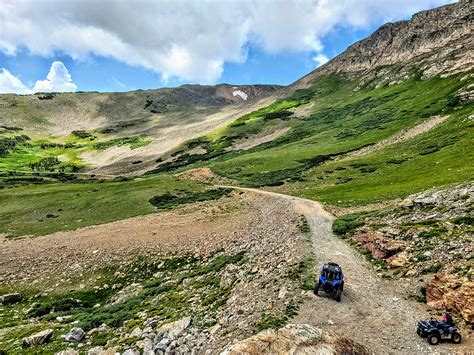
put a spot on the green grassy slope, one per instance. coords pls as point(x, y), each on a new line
point(302, 162)
point(46, 208)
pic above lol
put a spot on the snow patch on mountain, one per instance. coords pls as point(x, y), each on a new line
point(241, 94)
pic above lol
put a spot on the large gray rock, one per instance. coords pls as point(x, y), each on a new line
point(10, 298)
point(68, 351)
point(98, 350)
point(175, 329)
point(131, 352)
point(296, 339)
point(38, 338)
point(75, 335)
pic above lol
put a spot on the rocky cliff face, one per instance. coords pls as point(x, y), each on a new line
point(437, 41)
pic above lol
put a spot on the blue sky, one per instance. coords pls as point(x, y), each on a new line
point(211, 43)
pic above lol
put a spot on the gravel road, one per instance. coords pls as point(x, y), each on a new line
point(373, 311)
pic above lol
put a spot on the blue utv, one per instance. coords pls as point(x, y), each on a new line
point(331, 281)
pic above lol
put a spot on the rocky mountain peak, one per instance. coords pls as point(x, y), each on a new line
point(437, 41)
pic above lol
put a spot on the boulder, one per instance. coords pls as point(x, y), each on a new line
point(38, 338)
point(98, 350)
point(75, 335)
point(175, 329)
point(68, 351)
point(452, 293)
point(10, 298)
point(295, 339)
point(379, 246)
point(399, 260)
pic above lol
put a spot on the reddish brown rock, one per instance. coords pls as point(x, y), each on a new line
point(399, 260)
point(379, 246)
point(453, 294)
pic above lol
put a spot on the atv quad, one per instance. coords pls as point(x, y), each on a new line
point(434, 331)
point(331, 281)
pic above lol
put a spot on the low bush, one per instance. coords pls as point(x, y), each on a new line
point(167, 201)
point(83, 134)
point(348, 223)
point(468, 220)
point(283, 114)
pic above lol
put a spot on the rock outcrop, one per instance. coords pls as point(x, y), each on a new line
point(75, 335)
point(38, 338)
point(296, 339)
point(437, 41)
point(10, 298)
point(377, 244)
point(452, 293)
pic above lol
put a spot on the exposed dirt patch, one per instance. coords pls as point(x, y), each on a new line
point(199, 228)
point(253, 141)
point(205, 175)
point(304, 110)
point(423, 127)
point(170, 134)
point(262, 227)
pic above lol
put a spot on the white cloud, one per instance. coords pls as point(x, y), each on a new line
point(58, 80)
point(11, 84)
point(320, 59)
point(183, 38)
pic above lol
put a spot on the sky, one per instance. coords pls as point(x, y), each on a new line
point(122, 45)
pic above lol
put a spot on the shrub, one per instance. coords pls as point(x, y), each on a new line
point(283, 114)
point(346, 224)
point(167, 201)
point(304, 225)
point(83, 134)
point(469, 220)
point(45, 164)
point(303, 95)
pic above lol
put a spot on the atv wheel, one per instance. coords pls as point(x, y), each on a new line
point(456, 338)
point(338, 295)
point(316, 289)
point(418, 331)
point(433, 339)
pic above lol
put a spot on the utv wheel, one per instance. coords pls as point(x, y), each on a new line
point(456, 338)
point(433, 339)
point(418, 331)
point(338, 295)
point(316, 289)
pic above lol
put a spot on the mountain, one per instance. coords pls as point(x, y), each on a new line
point(434, 42)
point(78, 123)
point(197, 218)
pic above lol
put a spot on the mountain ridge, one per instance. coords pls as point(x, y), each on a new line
point(436, 42)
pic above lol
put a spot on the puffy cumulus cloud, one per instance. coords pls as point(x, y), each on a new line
point(320, 59)
point(10, 84)
point(187, 39)
point(57, 80)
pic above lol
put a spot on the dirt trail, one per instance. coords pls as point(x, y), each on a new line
point(373, 311)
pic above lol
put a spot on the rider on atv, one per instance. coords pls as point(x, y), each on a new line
point(435, 331)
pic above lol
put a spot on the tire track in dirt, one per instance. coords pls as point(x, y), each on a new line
point(372, 311)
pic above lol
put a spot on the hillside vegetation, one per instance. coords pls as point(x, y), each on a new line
point(306, 160)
